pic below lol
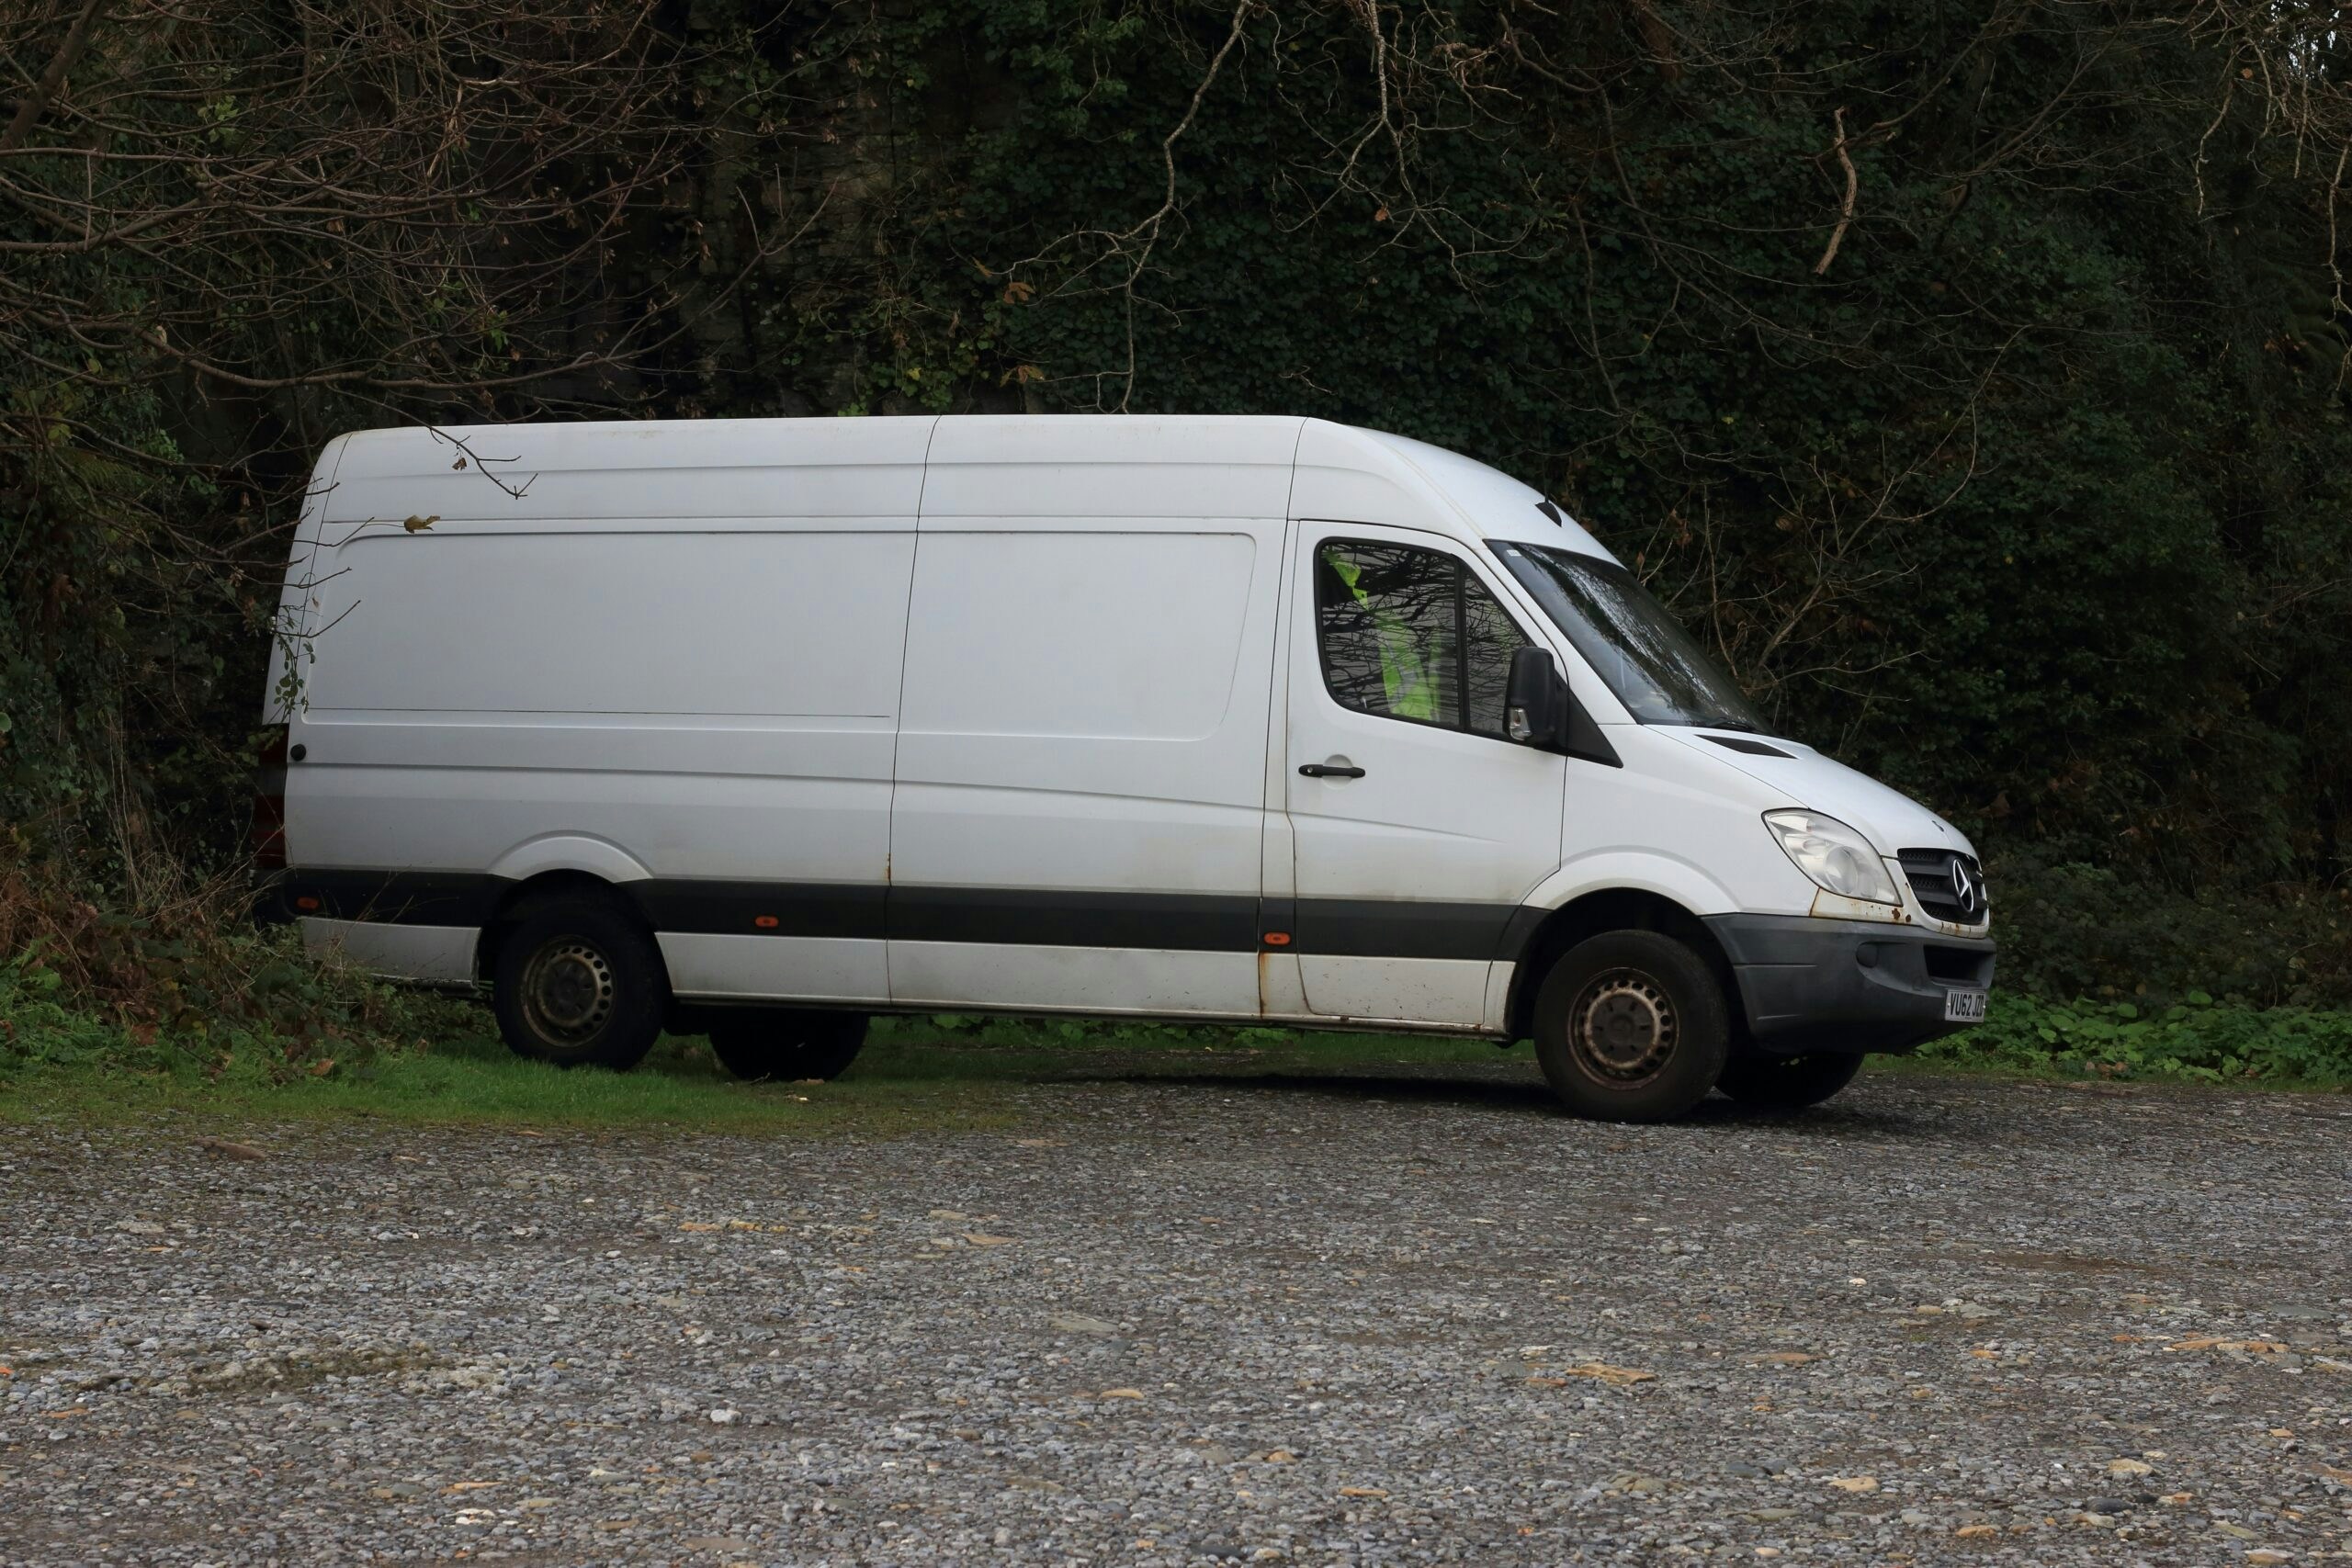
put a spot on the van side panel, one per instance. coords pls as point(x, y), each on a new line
point(1081, 767)
point(1079, 810)
point(756, 618)
point(691, 672)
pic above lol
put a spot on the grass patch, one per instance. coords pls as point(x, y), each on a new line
point(473, 1080)
point(916, 1074)
point(2196, 1040)
point(431, 1061)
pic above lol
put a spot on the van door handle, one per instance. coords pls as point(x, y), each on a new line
point(1342, 769)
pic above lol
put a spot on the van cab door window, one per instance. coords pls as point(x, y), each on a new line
point(1410, 633)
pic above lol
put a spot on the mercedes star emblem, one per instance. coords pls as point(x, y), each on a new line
point(1963, 889)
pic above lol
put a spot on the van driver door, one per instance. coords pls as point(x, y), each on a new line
point(1417, 827)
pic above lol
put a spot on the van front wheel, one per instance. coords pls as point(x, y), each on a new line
point(580, 984)
point(1631, 1026)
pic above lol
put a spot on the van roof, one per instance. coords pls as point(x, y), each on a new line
point(971, 466)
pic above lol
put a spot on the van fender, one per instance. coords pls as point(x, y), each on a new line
point(569, 851)
point(1640, 871)
point(1607, 876)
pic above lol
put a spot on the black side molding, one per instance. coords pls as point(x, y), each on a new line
point(1191, 922)
point(392, 897)
point(701, 907)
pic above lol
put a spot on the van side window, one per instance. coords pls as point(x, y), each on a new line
point(1410, 633)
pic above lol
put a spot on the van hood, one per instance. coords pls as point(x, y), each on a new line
point(1891, 820)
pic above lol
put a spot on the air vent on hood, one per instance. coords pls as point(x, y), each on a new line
point(1753, 748)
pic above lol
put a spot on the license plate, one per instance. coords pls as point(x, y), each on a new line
point(1964, 1007)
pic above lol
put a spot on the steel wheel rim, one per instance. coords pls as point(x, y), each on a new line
point(1624, 1028)
point(567, 991)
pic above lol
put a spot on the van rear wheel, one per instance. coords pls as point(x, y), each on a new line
point(578, 983)
point(1632, 1026)
point(1787, 1083)
point(787, 1042)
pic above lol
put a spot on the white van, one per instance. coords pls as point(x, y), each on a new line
point(755, 728)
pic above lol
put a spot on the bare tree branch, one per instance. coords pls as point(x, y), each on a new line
point(29, 111)
point(1846, 207)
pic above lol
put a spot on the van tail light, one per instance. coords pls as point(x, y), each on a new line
point(267, 840)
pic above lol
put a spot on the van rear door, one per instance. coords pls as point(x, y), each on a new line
point(1418, 828)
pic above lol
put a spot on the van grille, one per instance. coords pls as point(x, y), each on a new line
point(1961, 900)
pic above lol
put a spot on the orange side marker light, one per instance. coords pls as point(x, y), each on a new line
point(765, 922)
point(306, 902)
point(1278, 939)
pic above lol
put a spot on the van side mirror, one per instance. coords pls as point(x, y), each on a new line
point(1536, 703)
point(1540, 710)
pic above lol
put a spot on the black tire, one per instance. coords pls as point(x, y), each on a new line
point(581, 983)
point(787, 1042)
point(1632, 1026)
point(1787, 1083)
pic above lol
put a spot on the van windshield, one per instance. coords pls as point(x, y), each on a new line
point(1641, 651)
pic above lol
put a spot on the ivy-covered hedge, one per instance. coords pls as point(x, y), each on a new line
point(2196, 1040)
point(2074, 929)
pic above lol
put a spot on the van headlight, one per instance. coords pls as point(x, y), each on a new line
point(1838, 858)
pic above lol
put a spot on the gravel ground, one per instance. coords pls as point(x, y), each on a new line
point(1373, 1319)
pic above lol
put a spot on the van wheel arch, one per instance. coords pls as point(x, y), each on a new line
point(1614, 909)
point(547, 887)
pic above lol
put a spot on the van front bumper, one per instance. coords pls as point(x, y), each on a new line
point(1846, 986)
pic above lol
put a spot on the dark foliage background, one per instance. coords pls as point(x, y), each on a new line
point(1973, 372)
